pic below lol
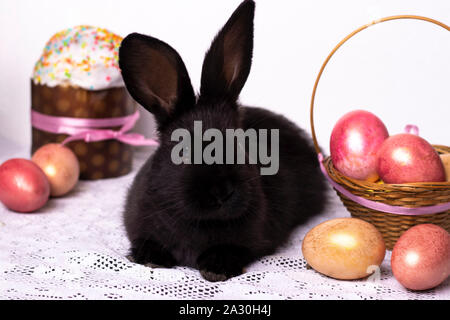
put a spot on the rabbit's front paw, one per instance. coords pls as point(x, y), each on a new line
point(151, 254)
point(222, 262)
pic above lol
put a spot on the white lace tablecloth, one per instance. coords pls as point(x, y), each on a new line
point(75, 248)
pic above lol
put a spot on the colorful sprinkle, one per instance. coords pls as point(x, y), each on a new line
point(82, 56)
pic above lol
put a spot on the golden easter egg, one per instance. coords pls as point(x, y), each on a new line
point(344, 248)
point(60, 165)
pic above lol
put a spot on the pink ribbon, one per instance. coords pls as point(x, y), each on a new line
point(87, 129)
point(379, 206)
point(410, 128)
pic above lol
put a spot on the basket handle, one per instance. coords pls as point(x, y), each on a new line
point(397, 17)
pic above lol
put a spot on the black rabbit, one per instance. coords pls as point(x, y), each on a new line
point(218, 217)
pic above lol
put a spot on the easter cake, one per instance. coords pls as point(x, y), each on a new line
point(78, 76)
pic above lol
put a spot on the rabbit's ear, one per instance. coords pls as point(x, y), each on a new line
point(155, 76)
point(227, 63)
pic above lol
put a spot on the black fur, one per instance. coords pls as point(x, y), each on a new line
point(217, 218)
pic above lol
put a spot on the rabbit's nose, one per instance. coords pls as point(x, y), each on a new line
point(222, 192)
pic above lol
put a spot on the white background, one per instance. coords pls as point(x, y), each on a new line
point(398, 70)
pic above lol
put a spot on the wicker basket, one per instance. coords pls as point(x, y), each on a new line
point(412, 195)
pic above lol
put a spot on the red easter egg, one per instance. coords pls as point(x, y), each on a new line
point(405, 158)
point(354, 144)
point(421, 257)
point(23, 185)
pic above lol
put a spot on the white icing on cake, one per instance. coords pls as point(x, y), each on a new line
point(82, 56)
